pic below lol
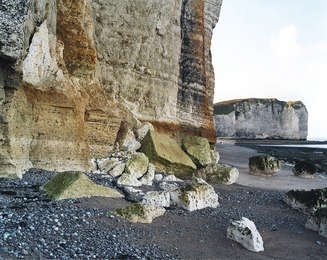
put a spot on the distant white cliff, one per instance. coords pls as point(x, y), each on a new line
point(261, 119)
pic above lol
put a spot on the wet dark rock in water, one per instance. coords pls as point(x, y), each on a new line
point(304, 169)
point(307, 201)
point(264, 165)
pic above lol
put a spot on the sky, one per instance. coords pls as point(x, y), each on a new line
point(274, 49)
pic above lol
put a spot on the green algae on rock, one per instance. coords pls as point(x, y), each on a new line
point(70, 185)
point(139, 213)
point(218, 174)
point(264, 165)
point(137, 165)
point(198, 149)
point(167, 155)
point(197, 195)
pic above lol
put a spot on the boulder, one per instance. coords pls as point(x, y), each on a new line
point(171, 178)
point(117, 170)
point(105, 165)
point(147, 179)
point(143, 130)
point(132, 194)
point(214, 156)
point(137, 165)
point(126, 139)
point(264, 165)
point(168, 186)
point(158, 177)
point(157, 198)
point(318, 222)
point(218, 174)
point(194, 196)
point(198, 149)
point(140, 213)
point(307, 201)
point(94, 166)
point(304, 169)
point(245, 232)
point(70, 185)
point(128, 180)
point(167, 155)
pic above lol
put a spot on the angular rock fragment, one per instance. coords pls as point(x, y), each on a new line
point(117, 170)
point(147, 179)
point(158, 177)
point(198, 149)
point(264, 165)
point(194, 196)
point(307, 201)
point(126, 139)
point(171, 178)
point(304, 169)
point(133, 194)
point(218, 174)
point(94, 166)
point(157, 198)
point(127, 179)
point(245, 232)
point(143, 130)
point(69, 185)
point(168, 186)
point(140, 213)
point(105, 165)
point(137, 165)
point(318, 222)
point(167, 155)
point(214, 156)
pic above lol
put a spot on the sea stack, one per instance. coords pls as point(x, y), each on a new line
point(261, 119)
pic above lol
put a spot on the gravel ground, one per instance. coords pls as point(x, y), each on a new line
point(34, 227)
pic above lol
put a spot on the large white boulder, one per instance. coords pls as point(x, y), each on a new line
point(194, 196)
point(245, 232)
point(157, 198)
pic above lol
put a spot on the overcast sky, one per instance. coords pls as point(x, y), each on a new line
point(275, 49)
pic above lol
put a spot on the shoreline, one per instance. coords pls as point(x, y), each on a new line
point(237, 156)
point(291, 155)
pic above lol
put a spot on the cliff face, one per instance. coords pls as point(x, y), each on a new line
point(261, 118)
point(72, 70)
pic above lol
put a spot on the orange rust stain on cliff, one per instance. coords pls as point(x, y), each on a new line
point(74, 25)
point(177, 131)
point(206, 111)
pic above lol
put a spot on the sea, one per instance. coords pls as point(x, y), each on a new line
point(318, 145)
